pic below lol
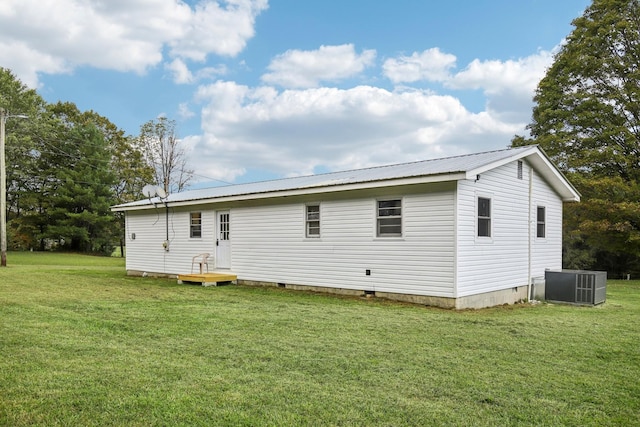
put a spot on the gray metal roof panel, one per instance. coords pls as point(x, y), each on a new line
point(443, 166)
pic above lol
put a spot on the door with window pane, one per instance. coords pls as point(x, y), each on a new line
point(223, 240)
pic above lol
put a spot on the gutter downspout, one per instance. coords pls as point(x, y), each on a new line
point(529, 298)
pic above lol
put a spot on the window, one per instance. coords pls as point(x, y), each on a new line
point(223, 224)
point(389, 218)
point(313, 221)
point(541, 222)
point(519, 169)
point(195, 226)
point(484, 217)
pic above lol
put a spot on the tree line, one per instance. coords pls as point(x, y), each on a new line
point(587, 119)
point(66, 168)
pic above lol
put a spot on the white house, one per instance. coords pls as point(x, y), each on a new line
point(462, 232)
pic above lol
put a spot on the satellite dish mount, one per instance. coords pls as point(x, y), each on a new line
point(149, 191)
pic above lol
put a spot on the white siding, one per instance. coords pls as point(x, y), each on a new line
point(146, 252)
point(268, 244)
point(547, 252)
point(502, 261)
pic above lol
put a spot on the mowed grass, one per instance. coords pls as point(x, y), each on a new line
point(82, 344)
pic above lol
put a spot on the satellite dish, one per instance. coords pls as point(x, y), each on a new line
point(149, 191)
point(160, 192)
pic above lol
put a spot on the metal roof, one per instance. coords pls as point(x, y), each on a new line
point(444, 169)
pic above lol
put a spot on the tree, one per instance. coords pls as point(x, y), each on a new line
point(126, 160)
point(65, 168)
point(587, 118)
point(17, 98)
point(52, 195)
point(163, 152)
point(80, 207)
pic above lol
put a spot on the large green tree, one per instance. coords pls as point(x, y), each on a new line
point(587, 118)
point(23, 180)
point(65, 168)
point(125, 160)
point(80, 218)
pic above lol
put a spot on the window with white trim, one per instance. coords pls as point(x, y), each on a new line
point(541, 222)
point(389, 218)
point(195, 225)
point(484, 217)
point(312, 221)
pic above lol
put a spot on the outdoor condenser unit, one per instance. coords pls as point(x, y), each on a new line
point(576, 286)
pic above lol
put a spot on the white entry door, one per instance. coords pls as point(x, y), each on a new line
point(223, 242)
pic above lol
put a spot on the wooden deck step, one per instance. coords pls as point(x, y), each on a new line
point(207, 279)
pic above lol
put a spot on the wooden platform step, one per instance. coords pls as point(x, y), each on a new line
point(207, 279)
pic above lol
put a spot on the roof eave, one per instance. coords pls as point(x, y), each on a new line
point(396, 182)
point(539, 159)
point(555, 177)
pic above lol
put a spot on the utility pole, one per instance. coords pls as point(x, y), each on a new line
point(3, 196)
point(3, 188)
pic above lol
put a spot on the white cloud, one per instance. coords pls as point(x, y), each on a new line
point(305, 69)
point(121, 35)
point(26, 63)
point(180, 72)
point(219, 30)
point(182, 75)
point(508, 86)
point(184, 112)
point(295, 132)
point(431, 65)
point(495, 77)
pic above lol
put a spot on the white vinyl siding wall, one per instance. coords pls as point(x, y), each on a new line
point(420, 262)
point(547, 251)
point(146, 253)
point(501, 262)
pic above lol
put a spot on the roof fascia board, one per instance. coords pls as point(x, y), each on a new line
point(539, 159)
point(570, 194)
point(306, 190)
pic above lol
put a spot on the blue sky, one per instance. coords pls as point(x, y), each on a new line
point(265, 89)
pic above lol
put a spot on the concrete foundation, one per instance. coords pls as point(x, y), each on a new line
point(492, 299)
point(489, 299)
point(322, 289)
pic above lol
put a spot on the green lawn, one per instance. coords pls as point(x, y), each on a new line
point(82, 344)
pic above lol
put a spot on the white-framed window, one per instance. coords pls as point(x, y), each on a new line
point(541, 222)
point(484, 217)
point(389, 218)
point(195, 225)
point(312, 221)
